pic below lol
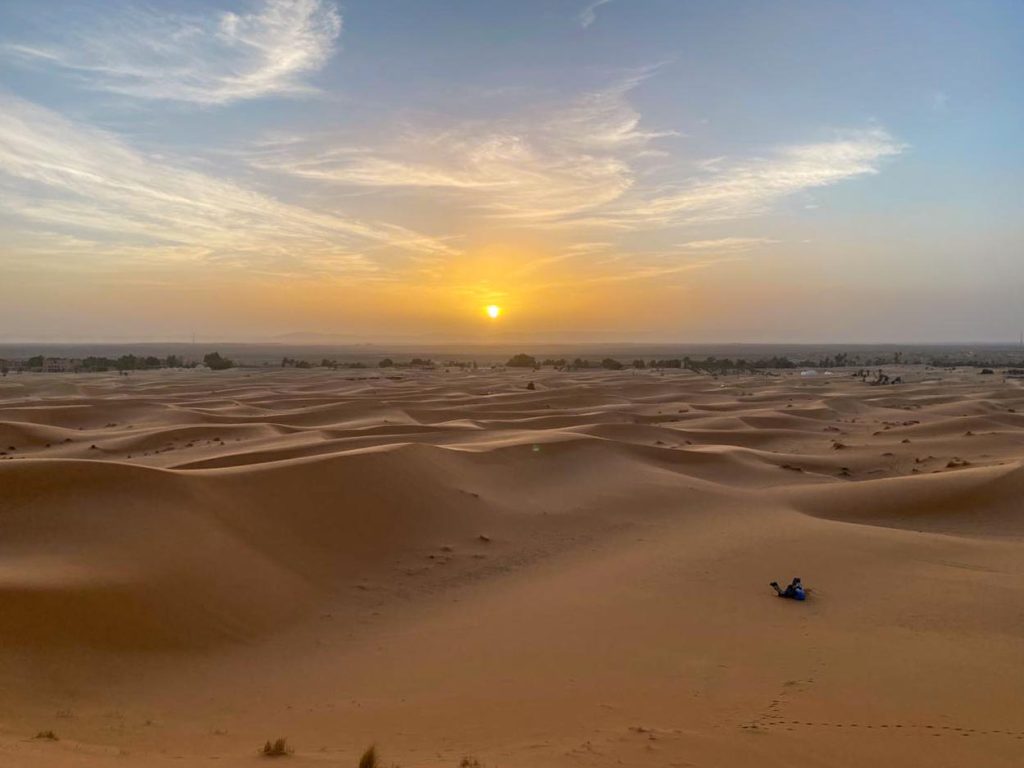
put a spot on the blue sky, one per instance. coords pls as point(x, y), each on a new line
point(647, 169)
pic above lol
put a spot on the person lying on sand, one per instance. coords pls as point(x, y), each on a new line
point(794, 591)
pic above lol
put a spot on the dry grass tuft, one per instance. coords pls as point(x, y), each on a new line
point(369, 758)
point(277, 748)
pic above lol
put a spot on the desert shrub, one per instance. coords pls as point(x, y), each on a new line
point(369, 758)
point(277, 748)
point(470, 762)
point(218, 363)
point(49, 735)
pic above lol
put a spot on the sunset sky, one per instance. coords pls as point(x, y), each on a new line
point(624, 169)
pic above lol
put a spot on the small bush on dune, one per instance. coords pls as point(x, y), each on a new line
point(277, 748)
point(470, 762)
point(369, 758)
point(49, 735)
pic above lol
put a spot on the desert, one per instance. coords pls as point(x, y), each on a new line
point(453, 567)
point(535, 384)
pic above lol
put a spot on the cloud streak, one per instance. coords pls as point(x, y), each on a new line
point(744, 188)
point(550, 164)
point(209, 60)
point(588, 15)
point(576, 167)
point(84, 183)
point(726, 244)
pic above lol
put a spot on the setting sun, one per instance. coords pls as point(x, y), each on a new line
point(493, 311)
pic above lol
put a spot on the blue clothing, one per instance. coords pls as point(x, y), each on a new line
point(794, 591)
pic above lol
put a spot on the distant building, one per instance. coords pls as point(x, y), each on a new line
point(60, 364)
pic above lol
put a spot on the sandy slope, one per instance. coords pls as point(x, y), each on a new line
point(449, 564)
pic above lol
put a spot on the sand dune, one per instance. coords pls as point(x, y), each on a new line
point(981, 501)
point(450, 564)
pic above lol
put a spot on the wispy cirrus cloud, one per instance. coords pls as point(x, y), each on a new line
point(730, 189)
point(585, 165)
point(212, 59)
point(585, 168)
point(576, 251)
point(548, 164)
point(588, 15)
point(730, 244)
point(85, 185)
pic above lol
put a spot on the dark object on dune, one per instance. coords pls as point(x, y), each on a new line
point(277, 748)
point(531, 385)
point(986, 372)
point(795, 590)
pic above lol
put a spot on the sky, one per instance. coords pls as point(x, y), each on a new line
point(648, 170)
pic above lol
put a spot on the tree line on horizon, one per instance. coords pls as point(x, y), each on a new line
point(123, 363)
point(715, 365)
point(709, 364)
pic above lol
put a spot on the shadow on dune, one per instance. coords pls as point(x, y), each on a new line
point(982, 501)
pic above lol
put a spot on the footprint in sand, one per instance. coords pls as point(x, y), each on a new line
point(936, 729)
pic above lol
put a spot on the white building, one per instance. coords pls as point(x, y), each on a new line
point(60, 364)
